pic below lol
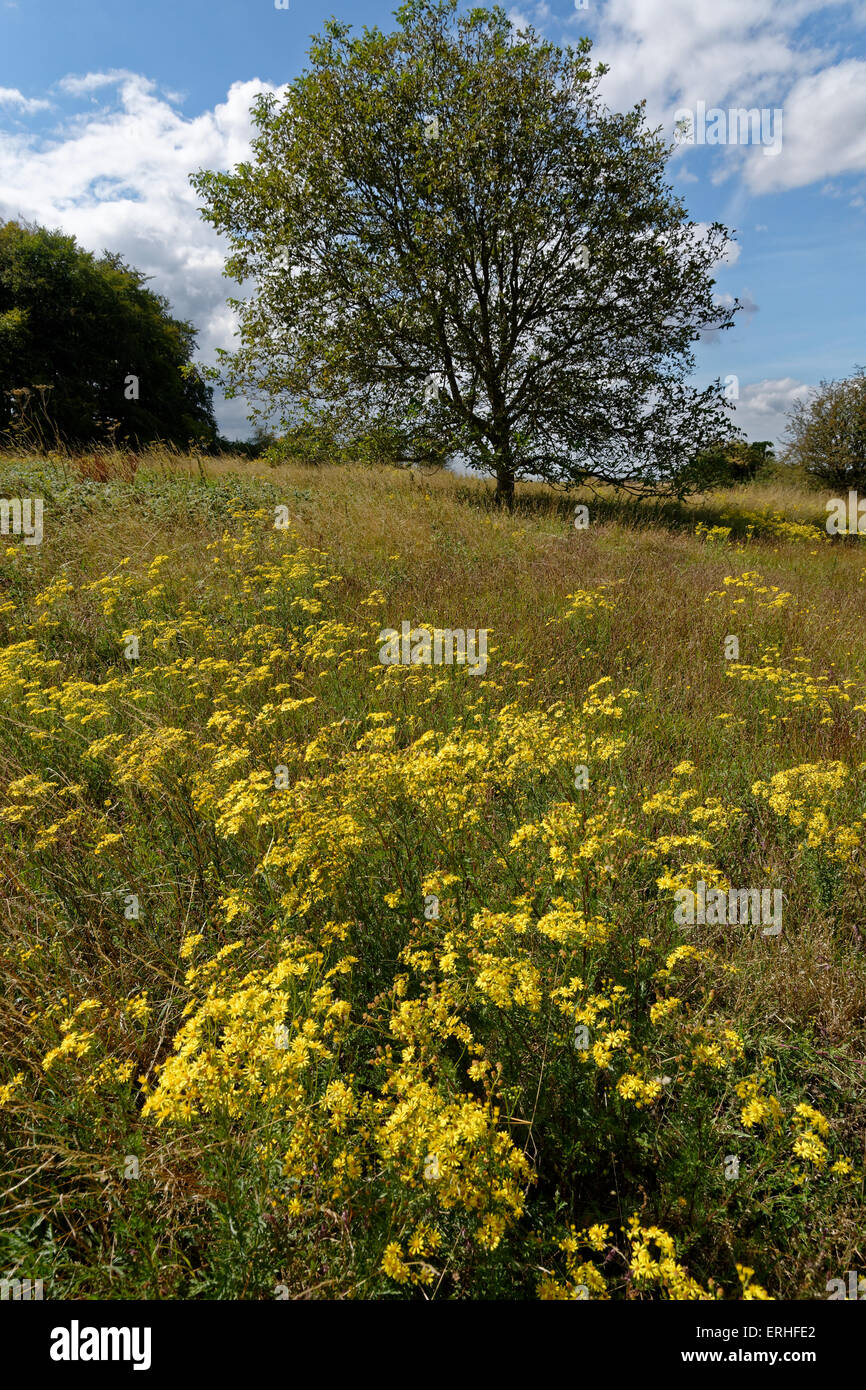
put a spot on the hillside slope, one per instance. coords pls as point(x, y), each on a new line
point(334, 978)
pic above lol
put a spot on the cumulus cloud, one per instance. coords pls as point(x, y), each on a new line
point(675, 53)
point(770, 397)
point(118, 179)
point(824, 131)
point(762, 409)
point(10, 96)
point(745, 53)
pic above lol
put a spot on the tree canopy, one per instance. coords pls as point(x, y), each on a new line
point(454, 245)
point(727, 463)
point(88, 352)
point(826, 433)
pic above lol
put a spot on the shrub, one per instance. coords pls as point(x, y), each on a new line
point(728, 463)
point(827, 433)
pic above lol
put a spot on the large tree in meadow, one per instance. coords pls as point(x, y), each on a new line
point(454, 246)
point(88, 352)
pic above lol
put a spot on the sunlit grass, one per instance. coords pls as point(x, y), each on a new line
point(261, 1166)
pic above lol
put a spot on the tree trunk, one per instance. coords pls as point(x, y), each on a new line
point(504, 495)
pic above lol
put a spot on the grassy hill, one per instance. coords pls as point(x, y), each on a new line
point(328, 978)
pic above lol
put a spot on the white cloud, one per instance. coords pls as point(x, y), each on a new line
point(10, 96)
point(540, 18)
point(824, 131)
point(745, 53)
point(118, 179)
point(92, 81)
point(675, 53)
point(762, 410)
point(770, 396)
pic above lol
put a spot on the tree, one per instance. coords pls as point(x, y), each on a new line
point(727, 463)
point(87, 352)
point(827, 433)
point(453, 241)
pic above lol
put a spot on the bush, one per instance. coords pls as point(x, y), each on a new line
point(827, 434)
point(727, 464)
point(305, 443)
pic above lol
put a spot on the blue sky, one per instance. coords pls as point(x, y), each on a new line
point(105, 108)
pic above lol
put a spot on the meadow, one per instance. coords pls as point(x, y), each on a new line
point(331, 979)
